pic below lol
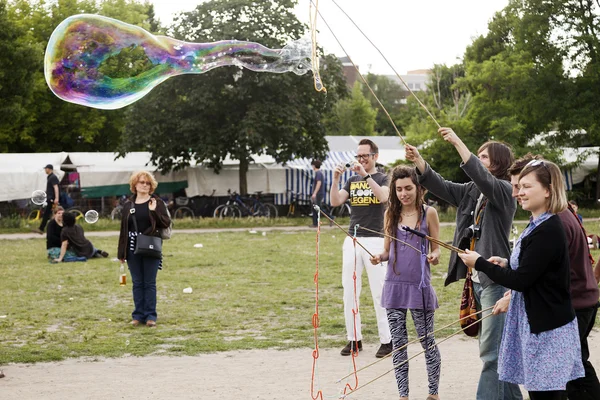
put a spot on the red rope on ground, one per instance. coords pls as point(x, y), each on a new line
point(354, 313)
point(316, 322)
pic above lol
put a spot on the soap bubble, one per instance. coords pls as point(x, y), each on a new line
point(38, 197)
point(86, 53)
point(91, 217)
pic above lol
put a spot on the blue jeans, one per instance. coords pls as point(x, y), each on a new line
point(143, 277)
point(490, 336)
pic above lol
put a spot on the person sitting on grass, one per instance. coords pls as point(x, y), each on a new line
point(72, 238)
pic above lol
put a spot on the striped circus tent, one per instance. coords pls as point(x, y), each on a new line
point(299, 175)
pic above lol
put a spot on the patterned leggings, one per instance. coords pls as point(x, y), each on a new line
point(423, 322)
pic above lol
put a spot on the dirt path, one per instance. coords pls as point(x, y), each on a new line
point(255, 374)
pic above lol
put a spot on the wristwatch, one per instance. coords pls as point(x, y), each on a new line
point(367, 176)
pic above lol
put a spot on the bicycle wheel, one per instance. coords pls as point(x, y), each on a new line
point(77, 212)
point(341, 211)
point(116, 213)
point(271, 210)
point(230, 211)
point(183, 212)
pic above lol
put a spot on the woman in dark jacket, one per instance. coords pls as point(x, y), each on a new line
point(540, 346)
point(151, 215)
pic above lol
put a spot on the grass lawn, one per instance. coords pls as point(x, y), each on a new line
point(249, 292)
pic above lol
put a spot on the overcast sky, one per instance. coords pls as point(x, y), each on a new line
point(411, 34)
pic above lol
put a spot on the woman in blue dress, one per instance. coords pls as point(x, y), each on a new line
point(540, 346)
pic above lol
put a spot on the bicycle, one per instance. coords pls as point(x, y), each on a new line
point(298, 206)
point(341, 211)
point(36, 215)
point(236, 207)
point(179, 208)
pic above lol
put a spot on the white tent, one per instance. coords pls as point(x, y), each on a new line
point(22, 173)
point(103, 174)
point(589, 165)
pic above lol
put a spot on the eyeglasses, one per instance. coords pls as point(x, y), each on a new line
point(144, 183)
point(364, 156)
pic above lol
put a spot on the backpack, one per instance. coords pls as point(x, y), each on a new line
point(165, 233)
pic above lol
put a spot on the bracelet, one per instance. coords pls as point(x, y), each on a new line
point(367, 176)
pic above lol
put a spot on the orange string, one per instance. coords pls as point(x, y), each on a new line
point(316, 322)
point(354, 313)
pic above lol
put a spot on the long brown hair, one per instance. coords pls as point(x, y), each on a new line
point(393, 214)
point(501, 158)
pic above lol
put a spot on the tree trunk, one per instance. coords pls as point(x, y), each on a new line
point(598, 179)
point(243, 175)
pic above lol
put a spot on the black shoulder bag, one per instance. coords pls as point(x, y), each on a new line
point(148, 246)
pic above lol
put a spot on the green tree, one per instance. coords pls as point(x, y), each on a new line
point(230, 111)
point(391, 95)
point(18, 64)
point(354, 115)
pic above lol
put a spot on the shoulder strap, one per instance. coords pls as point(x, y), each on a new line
point(132, 212)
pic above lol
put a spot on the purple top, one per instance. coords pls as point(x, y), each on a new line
point(408, 279)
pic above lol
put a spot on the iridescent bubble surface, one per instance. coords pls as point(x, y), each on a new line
point(91, 217)
point(38, 197)
point(104, 63)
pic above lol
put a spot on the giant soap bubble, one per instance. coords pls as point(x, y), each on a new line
point(104, 63)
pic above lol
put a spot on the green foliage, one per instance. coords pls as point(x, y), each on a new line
point(354, 116)
point(391, 96)
point(233, 111)
point(18, 64)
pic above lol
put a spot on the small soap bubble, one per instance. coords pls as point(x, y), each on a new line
point(91, 217)
point(127, 342)
point(38, 197)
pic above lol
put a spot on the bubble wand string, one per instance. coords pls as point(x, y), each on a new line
point(418, 354)
point(318, 209)
point(417, 339)
point(389, 64)
point(362, 77)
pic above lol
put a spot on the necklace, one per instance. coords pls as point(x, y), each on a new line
point(408, 215)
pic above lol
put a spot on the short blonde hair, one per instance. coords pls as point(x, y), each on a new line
point(135, 178)
point(548, 174)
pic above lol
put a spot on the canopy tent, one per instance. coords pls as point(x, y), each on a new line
point(589, 165)
point(22, 173)
point(103, 174)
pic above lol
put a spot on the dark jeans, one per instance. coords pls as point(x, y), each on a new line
point(551, 395)
point(143, 277)
point(587, 387)
point(47, 215)
point(319, 202)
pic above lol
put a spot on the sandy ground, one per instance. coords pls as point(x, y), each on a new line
point(255, 374)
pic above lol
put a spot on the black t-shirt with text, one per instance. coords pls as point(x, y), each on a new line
point(367, 210)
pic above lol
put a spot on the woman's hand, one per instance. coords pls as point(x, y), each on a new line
point(411, 153)
point(501, 305)
point(502, 262)
point(56, 260)
point(152, 204)
point(469, 257)
point(434, 257)
point(449, 136)
point(376, 259)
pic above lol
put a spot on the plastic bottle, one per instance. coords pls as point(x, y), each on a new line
point(122, 275)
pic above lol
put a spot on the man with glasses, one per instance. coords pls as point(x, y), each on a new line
point(368, 193)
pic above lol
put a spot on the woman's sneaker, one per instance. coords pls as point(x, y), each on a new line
point(350, 347)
